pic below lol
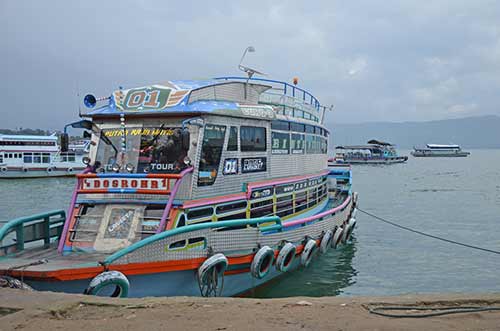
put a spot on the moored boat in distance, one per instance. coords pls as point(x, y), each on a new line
point(435, 150)
point(192, 188)
point(374, 152)
point(29, 156)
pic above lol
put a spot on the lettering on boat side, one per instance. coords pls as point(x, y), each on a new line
point(254, 164)
point(230, 166)
point(155, 97)
point(262, 193)
point(126, 183)
point(258, 111)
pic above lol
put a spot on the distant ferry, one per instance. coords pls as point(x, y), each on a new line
point(27, 156)
point(375, 152)
point(434, 150)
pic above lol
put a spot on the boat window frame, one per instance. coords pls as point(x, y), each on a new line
point(253, 146)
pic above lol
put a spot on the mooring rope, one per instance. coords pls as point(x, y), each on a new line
point(427, 234)
point(435, 311)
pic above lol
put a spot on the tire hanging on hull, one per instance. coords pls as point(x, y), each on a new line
point(286, 257)
point(209, 273)
point(106, 279)
point(262, 262)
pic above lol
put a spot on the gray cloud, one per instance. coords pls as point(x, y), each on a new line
point(391, 60)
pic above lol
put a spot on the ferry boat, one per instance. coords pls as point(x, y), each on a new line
point(28, 156)
point(198, 188)
point(434, 150)
point(375, 152)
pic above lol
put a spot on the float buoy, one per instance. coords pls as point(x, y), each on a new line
point(50, 169)
point(70, 170)
point(308, 252)
point(286, 257)
point(3, 169)
point(262, 262)
point(208, 275)
point(337, 236)
point(109, 278)
point(326, 241)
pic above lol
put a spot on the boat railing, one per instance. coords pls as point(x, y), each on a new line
point(44, 226)
point(86, 184)
point(290, 99)
point(276, 226)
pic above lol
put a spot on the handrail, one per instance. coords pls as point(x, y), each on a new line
point(193, 227)
point(317, 216)
point(316, 104)
point(17, 225)
point(166, 211)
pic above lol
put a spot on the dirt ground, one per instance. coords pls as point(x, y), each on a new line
point(46, 311)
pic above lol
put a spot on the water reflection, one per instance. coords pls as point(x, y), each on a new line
point(328, 275)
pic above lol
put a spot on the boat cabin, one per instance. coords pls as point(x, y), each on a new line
point(186, 152)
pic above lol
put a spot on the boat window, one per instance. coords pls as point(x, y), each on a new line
point(324, 146)
point(37, 158)
point(318, 130)
point(280, 125)
point(199, 213)
point(309, 129)
point(45, 158)
point(300, 201)
point(28, 158)
point(297, 143)
point(253, 139)
point(177, 244)
point(297, 127)
point(231, 207)
point(181, 221)
point(313, 144)
point(261, 208)
point(147, 149)
point(232, 144)
point(280, 142)
point(211, 150)
point(238, 216)
point(284, 205)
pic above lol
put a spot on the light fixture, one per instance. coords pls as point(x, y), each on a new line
point(115, 167)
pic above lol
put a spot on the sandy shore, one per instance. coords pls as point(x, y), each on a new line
point(20, 310)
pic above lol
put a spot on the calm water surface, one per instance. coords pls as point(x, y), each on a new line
point(455, 198)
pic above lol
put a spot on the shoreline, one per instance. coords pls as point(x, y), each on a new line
point(48, 311)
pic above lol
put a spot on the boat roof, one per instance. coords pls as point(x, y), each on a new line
point(177, 97)
point(442, 146)
point(26, 137)
point(370, 147)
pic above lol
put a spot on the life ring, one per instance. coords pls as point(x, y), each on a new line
point(208, 275)
point(109, 278)
point(70, 170)
point(308, 252)
point(50, 169)
point(262, 262)
point(286, 257)
point(337, 237)
point(326, 241)
point(10, 282)
point(3, 169)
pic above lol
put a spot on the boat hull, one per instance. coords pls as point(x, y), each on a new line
point(430, 154)
point(375, 161)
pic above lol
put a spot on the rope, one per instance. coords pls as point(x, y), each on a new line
point(436, 311)
point(429, 235)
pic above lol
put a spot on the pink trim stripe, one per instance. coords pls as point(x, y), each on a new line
point(271, 182)
point(209, 201)
point(315, 217)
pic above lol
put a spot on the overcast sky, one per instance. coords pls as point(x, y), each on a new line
point(373, 60)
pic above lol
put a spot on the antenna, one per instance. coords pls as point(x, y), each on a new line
point(324, 111)
point(249, 71)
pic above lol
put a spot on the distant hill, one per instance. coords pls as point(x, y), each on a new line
point(36, 132)
point(470, 132)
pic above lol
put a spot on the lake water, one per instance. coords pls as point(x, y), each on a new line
point(454, 198)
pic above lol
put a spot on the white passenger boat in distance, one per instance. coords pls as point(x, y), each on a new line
point(29, 156)
point(374, 152)
point(435, 150)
